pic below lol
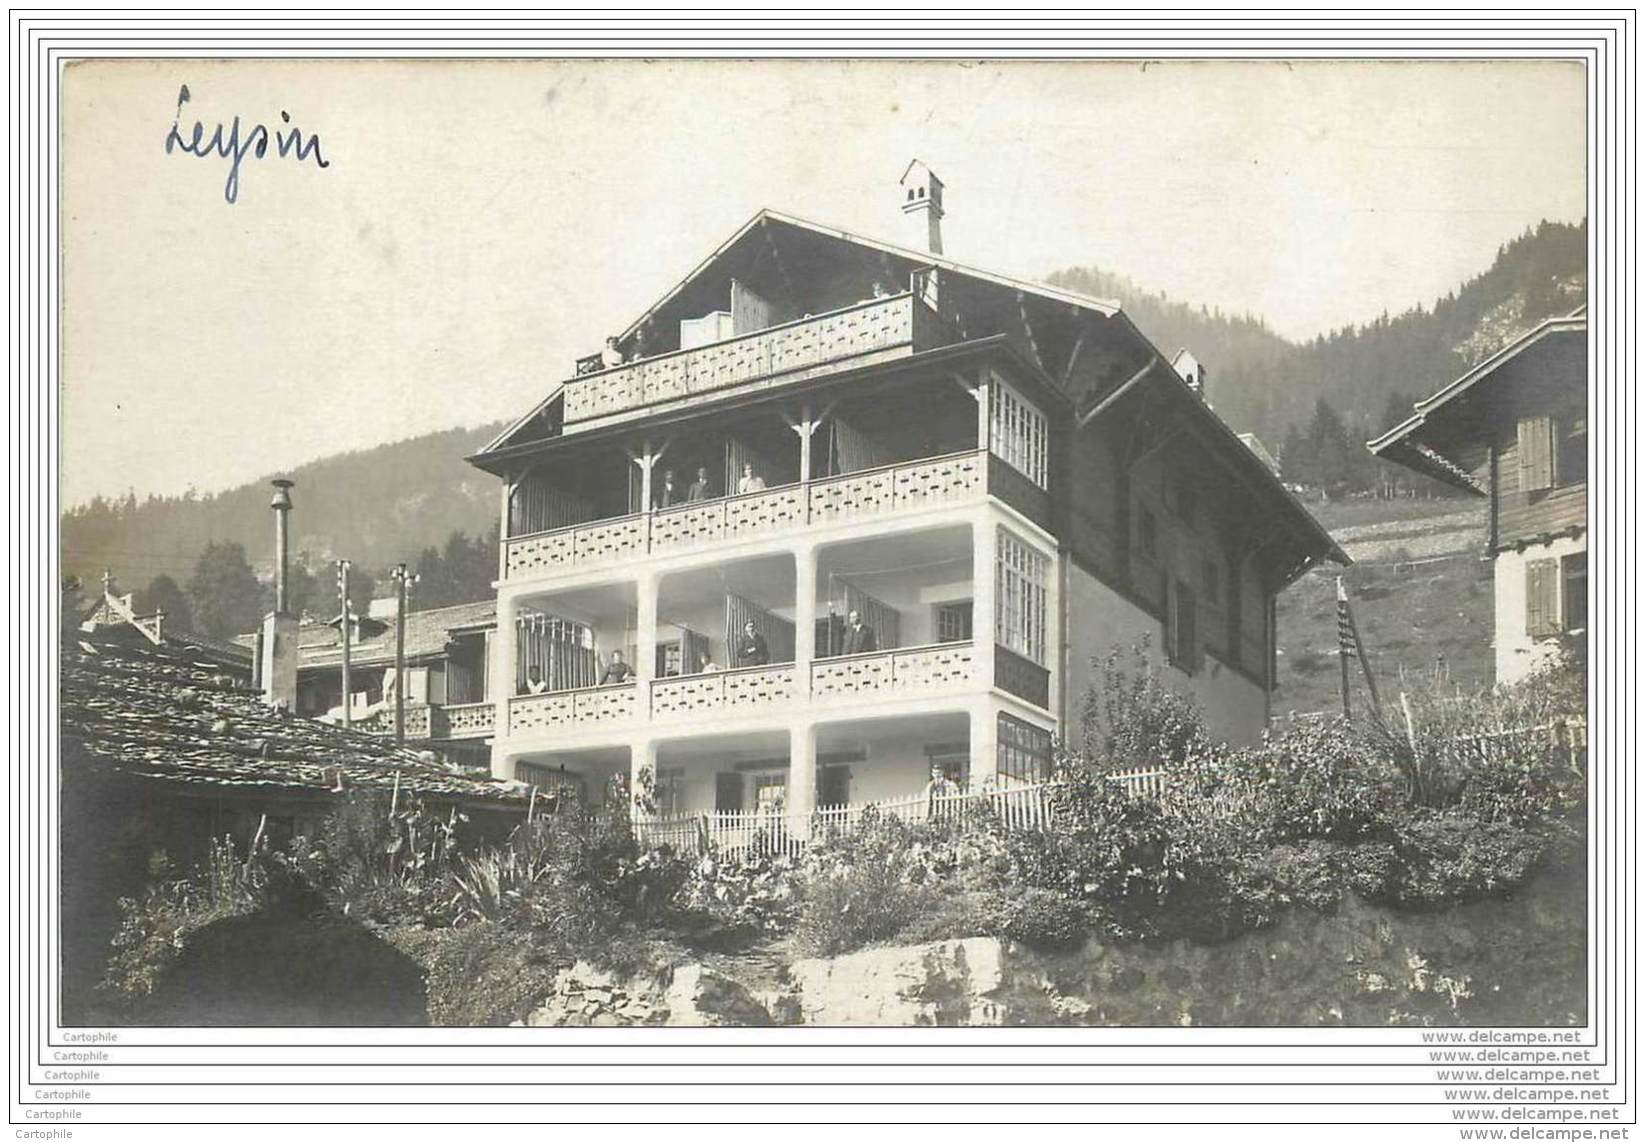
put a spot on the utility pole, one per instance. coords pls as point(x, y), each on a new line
point(402, 580)
point(348, 643)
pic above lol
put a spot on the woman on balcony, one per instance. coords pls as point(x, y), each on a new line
point(752, 650)
point(751, 481)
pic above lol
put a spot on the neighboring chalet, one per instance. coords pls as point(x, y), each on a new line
point(113, 617)
point(1002, 480)
point(447, 702)
point(166, 748)
point(1515, 429)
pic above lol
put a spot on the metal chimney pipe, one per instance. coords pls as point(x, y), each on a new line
point(282, 509)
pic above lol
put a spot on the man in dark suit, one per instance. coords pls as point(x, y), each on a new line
point(751, 649)
point(699, 487)
point(859, 636)
point(668, 495)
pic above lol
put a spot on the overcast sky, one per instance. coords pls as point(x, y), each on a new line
point(482, 224)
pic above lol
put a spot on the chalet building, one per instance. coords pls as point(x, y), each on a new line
point(448, 704)
point(999, 480)
point(1515, 430)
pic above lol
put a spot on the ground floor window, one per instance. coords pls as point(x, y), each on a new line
point(553, 781)
point(1024, 751)
point(1556, 595)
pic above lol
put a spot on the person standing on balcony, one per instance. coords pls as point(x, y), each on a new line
point(859, 636)
point(616, 671)
point(751, 481)
point(699, 487)
point(611, 356)
point(752, 651)
point(670, 495)
point(535, 684)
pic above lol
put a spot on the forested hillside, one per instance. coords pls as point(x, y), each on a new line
point(1313, 404)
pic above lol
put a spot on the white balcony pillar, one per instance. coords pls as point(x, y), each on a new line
point(985, 414)
point(984, 743)
point(645, 640)
point(502, 531)
point(805, 615)
point(501, 677)
point(802, 778)
point(984, 592)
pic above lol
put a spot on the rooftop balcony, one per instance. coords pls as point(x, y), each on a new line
point(854, 497)
point(861, 334)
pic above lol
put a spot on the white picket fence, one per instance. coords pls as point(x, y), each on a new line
point(1025, 806)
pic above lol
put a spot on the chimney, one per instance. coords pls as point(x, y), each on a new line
point(921, 208)
point(1188, 367)
point(282, 509)
point(277, 653)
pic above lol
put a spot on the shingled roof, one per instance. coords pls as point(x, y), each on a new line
point(172, 715)
point(427, 633)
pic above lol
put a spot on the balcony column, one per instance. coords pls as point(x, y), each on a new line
point(984, 592)
point(802, 779)
point(805, 615)
point(502, 531)
point(501, 678)
point(645, 640)
point(985, 414)
point(984, 744)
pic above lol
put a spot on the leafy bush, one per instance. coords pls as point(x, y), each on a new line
point(489, 973)
point(1131, 718)
point(736, 898)
point(1041, 919)
point(864, 887)
point(153, 929)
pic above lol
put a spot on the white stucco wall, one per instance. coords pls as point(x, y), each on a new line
point(1235, 708)
point(1517, 654)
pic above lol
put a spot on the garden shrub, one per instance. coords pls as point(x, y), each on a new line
point(490, 973)
point(1131, 718)
point(1041, 919)
point(864, 887)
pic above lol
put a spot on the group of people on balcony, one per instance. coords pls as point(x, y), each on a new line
point(751, 650)
point(669, 495)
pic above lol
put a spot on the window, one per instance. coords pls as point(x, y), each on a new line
point(954, 622)
point(1182, 629)
point(1211, 582)
point(1023, 751)
point(955, 760)
point(1573, 591)
point(1183, 499)
point(1148, 533)
point(1572, 451)
point(770, 790)
point(1536, 454)
point(1541, 598)
point(1019, 601)
point(1018, 434)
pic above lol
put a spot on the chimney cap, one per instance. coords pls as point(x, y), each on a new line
point(282, 493)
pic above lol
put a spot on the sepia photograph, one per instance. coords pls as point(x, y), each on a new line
point(823, 543)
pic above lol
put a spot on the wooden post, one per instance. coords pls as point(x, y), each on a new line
point(531, 806)
point(348, 643)
point(1342, 646)
point(1411, 739)
point(402, 580)
point(394, 799)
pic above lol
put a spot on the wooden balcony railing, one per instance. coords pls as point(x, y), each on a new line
point(957, 478)
point(803, 348)
point(943, 667)
point(468, 719)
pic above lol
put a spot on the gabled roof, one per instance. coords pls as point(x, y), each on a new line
point(916, 257)
point(1407, 443)
point(162, 714)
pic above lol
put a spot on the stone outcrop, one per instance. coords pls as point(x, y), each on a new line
point(589, 997)
point(1516, 961)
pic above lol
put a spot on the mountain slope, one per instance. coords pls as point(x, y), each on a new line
point(386, 504)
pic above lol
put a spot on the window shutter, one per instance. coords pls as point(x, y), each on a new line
point(1542, 598)
point(1536, 454)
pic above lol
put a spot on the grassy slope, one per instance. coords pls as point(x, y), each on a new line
point(1411, 615)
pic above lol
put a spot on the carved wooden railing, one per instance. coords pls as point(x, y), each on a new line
point(743, 689)
point(957, 478)
point(563, 710)
point(889, 674)
point(826, 339)
point(468, 719)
